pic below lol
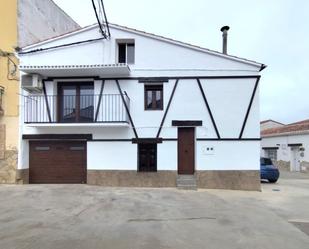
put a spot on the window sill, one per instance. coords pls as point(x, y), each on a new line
point(153, 110)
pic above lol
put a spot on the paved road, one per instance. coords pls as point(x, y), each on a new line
point(81, 216)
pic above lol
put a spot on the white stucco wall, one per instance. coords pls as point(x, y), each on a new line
point(228, 100)
point(284, 151)
point(111, 155)
point(228, 155)
point(164, 58)
point(224, 156)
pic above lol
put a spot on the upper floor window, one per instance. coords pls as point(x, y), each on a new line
point(153, 97)
point(126, 52)
point(76, 102)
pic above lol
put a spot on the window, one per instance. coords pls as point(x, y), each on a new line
point(153, 97)
point(42, 148)
point(126, 53)
point(77, 148)
point(147, 157)
point(272, 154)
point(265, 161)
point(76, 102)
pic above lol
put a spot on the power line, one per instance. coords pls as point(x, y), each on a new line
point(60, 46)
point(105, 31)
point(106, 34)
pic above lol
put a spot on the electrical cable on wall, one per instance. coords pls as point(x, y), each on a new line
point(103, 25)
point(61, 46)
point(11, 73)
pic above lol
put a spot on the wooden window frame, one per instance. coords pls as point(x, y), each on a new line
point(153, 88)
point(77, 84)
point(274, 152)
point(126, 44)
point(155, 168)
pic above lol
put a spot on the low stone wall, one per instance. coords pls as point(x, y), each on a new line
point(229, 179)
point(212, 179)
point(8, 165)
point(304, 166)
point(132, 178)
point(282, 165)
point(22, 176)
point(285, 166)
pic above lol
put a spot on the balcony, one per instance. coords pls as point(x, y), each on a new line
point(67, 110)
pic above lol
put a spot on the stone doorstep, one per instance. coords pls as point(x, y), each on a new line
point(186, 182)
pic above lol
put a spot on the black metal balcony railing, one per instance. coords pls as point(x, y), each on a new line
point(107, 108)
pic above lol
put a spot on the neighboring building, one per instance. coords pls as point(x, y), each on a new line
point(22, 22)
point(288, 145)
point(138, 110)
point(267, 124)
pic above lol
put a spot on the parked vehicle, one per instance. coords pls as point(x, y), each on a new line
point(268, 170)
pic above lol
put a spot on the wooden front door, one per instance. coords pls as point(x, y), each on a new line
point(186, 151)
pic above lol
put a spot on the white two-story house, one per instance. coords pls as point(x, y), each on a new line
point(137, 109)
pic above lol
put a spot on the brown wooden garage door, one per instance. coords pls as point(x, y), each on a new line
point(57, 162)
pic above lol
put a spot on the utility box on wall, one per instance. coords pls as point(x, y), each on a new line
point(208, 150)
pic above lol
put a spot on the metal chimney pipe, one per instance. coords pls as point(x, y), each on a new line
point(224, 30)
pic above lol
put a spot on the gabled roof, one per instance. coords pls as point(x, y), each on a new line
point(293, 128)
point(157, 37)
point(300, 122)
point(270, 120)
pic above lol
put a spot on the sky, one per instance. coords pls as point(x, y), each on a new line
point(273, 32)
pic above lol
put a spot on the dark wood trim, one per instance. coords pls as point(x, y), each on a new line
point(111, 140)
point(99, 102)
point(147, 141)
point(189, 77)
point(132, 140)
point(208, 108)
point(187, 123)
point(228, 139)
point(153, 80)
point(98, 122)
point(46, 101)
point(167, 108)
point(249, 106)
point(72, 78)
point(157, 79)
point(291, 145)
point(169, 139)
point(57, 136)
point(127, 109)
point(263, 66)
point(270, 148)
